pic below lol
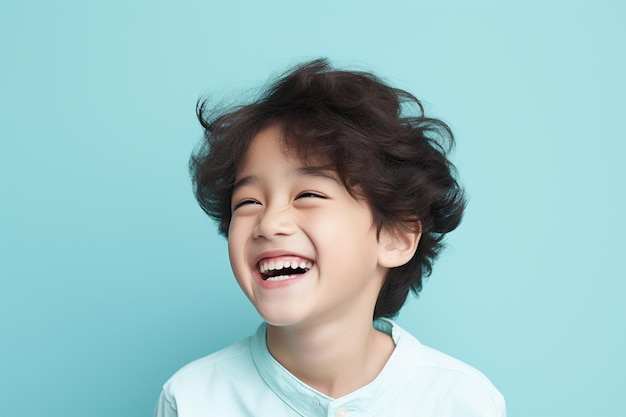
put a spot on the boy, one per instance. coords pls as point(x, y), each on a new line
point(334, 203)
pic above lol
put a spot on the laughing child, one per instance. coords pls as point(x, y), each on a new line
point(335, 192)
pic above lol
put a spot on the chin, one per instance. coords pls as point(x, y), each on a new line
point(280, 317)
point(278, 321)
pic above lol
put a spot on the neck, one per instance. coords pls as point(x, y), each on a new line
point(335, 358)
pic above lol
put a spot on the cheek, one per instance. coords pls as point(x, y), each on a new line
point(345, 234)
point(236, 234)
point(239, 266)
point(235, 249)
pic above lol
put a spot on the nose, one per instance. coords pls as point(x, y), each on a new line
point(273, 222)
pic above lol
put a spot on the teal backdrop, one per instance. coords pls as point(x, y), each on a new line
point(112, 278)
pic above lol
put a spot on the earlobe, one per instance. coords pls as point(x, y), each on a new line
point(397, 247)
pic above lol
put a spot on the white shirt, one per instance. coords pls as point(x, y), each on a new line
point(245, 380)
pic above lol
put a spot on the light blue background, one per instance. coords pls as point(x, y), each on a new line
point(112, 278)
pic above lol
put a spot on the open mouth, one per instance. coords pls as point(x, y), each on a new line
point(282, 269)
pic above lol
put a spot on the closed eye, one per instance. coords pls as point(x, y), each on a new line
point(310, 194)
point(245, 202)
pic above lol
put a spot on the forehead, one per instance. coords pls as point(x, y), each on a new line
point(270, 137)
point(265, 146)
point(269, 146)
point(268, 160)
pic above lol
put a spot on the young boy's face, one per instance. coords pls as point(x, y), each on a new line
point(302, 248)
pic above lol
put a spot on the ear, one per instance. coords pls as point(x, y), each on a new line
point(397, 247)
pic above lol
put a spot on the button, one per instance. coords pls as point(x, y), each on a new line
point(342, 412)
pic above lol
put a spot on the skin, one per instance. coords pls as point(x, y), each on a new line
point(320, 321)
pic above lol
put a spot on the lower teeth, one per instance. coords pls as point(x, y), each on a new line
point(279, 278)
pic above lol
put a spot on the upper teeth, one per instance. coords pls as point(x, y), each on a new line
point(277, 265)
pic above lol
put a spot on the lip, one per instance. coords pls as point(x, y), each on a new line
point(278, 254)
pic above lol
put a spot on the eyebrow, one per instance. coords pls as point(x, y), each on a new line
point(243, 181)
point(318, 172)
point(325, 172)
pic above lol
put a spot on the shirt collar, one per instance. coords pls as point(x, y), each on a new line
point(366, 401)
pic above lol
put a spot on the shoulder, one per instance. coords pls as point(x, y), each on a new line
point(190, 390)
point(453, 384)
point(232, 360)
point(465, 388)
point(454, 370)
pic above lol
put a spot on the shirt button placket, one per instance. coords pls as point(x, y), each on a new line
point(341, 412)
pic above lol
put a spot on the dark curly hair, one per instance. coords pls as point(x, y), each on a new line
point(374, 136)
